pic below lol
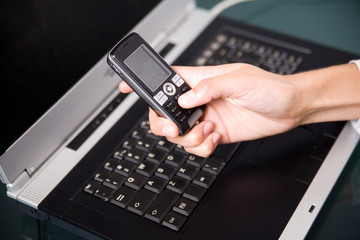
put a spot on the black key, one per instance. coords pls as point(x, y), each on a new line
point(120, 154)
point(129, 143)
point(146, 168)
point(101, 175)
point(184, 206)
point(140, 203)
point(204, 179)
point(165, 171)
point(125, 168)
point(136, 181)
point(145, 143)
point(91, 186)
point(111, 164)
point(181, 149)
point(156, 156)
point(150, 134)
point(187, 171)
point(145, 124)
point(225, 152)
point(138, 133)
point(161, 206)
point(135, 155)
point(177, 184)
point(155, 184)
point(123, 196)
point(174, 221)
point(194, 192)
point(175, 159)
point(212, 166)
point(195, 160)
point(114, 181)
point(104, 193)
point(165, 145)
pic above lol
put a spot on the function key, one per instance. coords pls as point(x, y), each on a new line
point(184, 206)
point(174, 221)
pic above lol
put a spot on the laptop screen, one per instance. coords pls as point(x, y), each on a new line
point(47, 46)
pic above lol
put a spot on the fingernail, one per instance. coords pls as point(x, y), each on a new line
point(168, 132)
point(208, 128)
point(216, 138)
point(187, 98)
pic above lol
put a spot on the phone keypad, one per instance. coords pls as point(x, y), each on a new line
point(169, 95)
point(177, 80)
point(161, 98)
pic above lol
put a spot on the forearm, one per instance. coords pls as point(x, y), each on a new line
point(329, 94)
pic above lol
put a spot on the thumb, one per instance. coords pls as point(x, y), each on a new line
point(208, 90)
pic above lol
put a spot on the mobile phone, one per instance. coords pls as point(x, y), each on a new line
point(147, 73)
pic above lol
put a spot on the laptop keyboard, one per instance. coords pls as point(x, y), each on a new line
point(159, 180)
point(229, 47)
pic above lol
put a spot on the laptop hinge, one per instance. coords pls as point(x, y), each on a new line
point(14, 187)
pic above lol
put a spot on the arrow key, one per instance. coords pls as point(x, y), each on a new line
point(161, 206)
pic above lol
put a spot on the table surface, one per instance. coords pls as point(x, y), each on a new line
point(334, 23)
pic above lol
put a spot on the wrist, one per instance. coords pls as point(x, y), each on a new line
point(329, 94)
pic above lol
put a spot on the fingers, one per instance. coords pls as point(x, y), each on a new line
point(161, 126)
point(124, 87)
point(207, 147)
point(200, 140)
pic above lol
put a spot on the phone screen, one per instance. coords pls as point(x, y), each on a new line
point(147, 67)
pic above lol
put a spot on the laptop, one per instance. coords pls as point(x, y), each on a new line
point(81, 155)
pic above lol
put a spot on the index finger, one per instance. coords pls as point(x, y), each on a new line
point(124, 87)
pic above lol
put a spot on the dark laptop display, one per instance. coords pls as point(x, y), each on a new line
point(46, 47)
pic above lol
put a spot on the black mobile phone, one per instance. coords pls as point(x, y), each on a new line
point(147, 73)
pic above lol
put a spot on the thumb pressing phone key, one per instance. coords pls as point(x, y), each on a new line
point(147, 73)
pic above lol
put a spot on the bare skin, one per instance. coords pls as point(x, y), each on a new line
point(245, 103)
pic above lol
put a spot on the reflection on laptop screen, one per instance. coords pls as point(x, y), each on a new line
point(47, 46)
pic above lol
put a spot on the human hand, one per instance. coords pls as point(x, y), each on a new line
point(243, 103)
